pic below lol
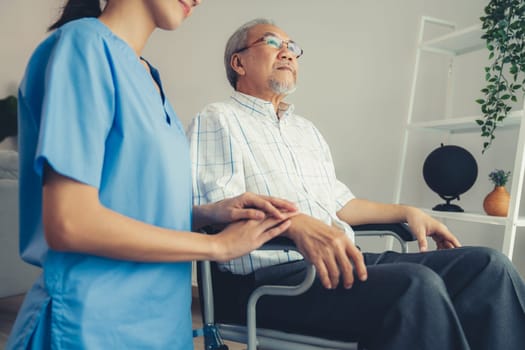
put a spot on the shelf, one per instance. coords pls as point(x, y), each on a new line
point(458, 42)
point(453, 44)
point(473, 217)
point(467, 124)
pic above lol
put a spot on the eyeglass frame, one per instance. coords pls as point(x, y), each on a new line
point(265, 36)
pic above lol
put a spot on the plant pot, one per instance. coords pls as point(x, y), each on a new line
point(496, 203)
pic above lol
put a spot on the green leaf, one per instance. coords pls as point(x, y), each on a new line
point(503, 25)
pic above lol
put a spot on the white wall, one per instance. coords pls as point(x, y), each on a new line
point(353, 81)
point(354, 77)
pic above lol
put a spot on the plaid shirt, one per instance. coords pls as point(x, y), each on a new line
point(241, 145)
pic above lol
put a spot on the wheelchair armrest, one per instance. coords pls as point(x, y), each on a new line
point(399, 229)
point(279, 243)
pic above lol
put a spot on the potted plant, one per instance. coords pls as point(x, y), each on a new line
point(499, 177)
point(497, 202)
point(504, 31)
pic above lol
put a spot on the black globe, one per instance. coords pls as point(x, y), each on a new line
point(450, 171)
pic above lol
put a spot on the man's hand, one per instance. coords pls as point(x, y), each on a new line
point(330, 250)
point(247, 206)
point(361, 211)
point(423, 225)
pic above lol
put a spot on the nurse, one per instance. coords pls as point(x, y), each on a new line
point(105, 189)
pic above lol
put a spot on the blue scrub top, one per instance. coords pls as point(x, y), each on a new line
point(89, 108)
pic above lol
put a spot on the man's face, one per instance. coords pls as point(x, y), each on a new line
point(265, 68)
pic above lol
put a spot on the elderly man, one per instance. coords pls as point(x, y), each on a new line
point(450, 298)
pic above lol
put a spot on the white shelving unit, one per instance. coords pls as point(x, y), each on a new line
point(454, 44)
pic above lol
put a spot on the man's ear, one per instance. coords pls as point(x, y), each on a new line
point(236, 64)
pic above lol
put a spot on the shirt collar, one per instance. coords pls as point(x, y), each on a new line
point(256, 106)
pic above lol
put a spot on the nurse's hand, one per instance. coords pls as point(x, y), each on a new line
point(242, 237)
point(248, 206)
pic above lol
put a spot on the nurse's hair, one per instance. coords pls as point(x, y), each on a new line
point(75, 9)
point(237, 42)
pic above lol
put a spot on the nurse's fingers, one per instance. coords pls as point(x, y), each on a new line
point(241, 237)
point(253, 206)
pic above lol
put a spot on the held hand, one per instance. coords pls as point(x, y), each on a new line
point(330, 250)
point(250, 206)
point(242, 237)
point(423, 225)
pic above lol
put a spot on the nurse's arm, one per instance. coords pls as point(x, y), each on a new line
point(75, 221)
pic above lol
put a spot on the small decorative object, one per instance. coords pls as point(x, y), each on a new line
point(504, 31)
point(450, 171)
point(496, 203)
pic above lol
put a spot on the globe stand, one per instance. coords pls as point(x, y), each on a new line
point(447, 206)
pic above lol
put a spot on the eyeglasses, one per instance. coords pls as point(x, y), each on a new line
point(277, 43)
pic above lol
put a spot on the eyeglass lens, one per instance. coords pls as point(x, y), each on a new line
point(278, 44)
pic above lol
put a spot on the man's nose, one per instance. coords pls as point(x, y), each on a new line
point(285, 53)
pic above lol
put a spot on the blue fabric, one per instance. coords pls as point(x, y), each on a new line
point(88, 108)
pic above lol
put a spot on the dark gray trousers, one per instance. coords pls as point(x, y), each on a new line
point(463, 298)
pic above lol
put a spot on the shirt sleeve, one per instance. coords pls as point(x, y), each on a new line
point(341, 192)
point(77, 110)
point(217, 164)
point(343, 195)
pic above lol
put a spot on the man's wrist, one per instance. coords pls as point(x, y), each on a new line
point(408, 211)
point(298, 225)
point(201, 215)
